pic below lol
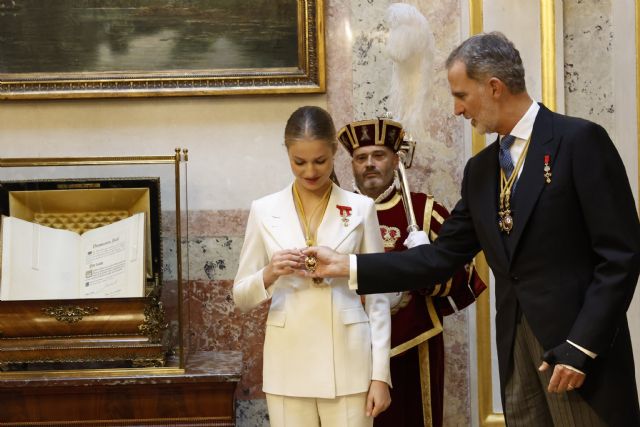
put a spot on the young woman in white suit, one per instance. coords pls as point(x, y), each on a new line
point(326, 351)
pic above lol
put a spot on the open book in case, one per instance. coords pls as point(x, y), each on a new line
point(82, 281)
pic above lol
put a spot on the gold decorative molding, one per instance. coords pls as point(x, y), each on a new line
point(548, 53)
point(154, 323)
point(638, 92)
point(92, 373)
point(476, 17)
point(488, 418)
point(69, 313)
point(478, 141)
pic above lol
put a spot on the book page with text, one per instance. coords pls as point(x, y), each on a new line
point(112, 260)
point(38, 262)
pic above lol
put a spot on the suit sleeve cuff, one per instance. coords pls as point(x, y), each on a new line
point(584, 350)
point(353, 272)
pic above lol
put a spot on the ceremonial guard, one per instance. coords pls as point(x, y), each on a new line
point(417, 346)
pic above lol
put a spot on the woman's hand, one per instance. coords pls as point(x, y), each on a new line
point(378, 399)
point(282, 263)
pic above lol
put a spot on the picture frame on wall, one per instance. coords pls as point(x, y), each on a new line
point(144, 48)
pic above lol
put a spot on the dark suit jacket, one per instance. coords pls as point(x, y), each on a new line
point(570, 264)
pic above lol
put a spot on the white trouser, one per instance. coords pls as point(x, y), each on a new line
point(343, 411)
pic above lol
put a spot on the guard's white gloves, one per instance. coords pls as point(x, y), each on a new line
point(416, 238)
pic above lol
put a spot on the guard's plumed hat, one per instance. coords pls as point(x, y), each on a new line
point(379, 131)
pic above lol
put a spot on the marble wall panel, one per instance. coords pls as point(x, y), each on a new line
point(589, 78)
point(439, 158)
point(252, 413)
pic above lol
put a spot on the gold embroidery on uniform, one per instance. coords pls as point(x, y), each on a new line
point(390, 236)
point(391, 203)
point(425, 383)
point(428, 209)
point(437, 217)
point(436, 289)
point(447, 288)
point(435, 330)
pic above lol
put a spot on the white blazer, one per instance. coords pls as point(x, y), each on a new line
point(320, 341)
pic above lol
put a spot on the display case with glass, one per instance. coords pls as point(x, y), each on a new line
point(92, 263)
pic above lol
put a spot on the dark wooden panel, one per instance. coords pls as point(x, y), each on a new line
point(120, 405)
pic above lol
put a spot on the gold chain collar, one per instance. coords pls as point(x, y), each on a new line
point(309, 237)
point(505, 222)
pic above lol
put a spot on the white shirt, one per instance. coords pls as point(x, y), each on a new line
point(522, 132)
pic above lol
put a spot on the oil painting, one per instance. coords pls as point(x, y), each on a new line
point(107, 48)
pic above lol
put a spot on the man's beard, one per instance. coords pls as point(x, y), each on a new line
point(486, 121)
point(373, 186)
point(379, 194)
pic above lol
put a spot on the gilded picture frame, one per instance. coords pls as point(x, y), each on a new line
point(146, 48)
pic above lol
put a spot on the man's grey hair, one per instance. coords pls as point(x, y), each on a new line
point(489, 55)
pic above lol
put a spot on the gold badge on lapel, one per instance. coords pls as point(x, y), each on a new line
point(345, 213)
point(547, 168)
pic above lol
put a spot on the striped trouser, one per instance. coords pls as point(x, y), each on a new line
point(527, 401)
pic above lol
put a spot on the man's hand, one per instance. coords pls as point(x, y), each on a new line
point(378, 399)
point(329, 263)
point(570, 365)
point(564, 378)
point(416, 238)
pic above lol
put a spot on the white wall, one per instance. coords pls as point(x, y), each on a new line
point(236, 151)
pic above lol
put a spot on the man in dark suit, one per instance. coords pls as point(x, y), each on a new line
point(550, 205)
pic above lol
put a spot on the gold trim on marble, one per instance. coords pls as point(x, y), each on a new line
point(637, 7)
point(548, 52)
point(184, 155)
point(488, 418)
point(476, 17)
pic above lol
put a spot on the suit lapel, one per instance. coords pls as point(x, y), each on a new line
point(282, 221)
point(488, 190)
point(333, 230)
point(531, 182)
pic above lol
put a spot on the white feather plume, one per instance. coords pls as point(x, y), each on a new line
point(410, 45)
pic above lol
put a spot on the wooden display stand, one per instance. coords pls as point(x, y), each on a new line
point(202, 395)
point(86, 330)
point(48, 348)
